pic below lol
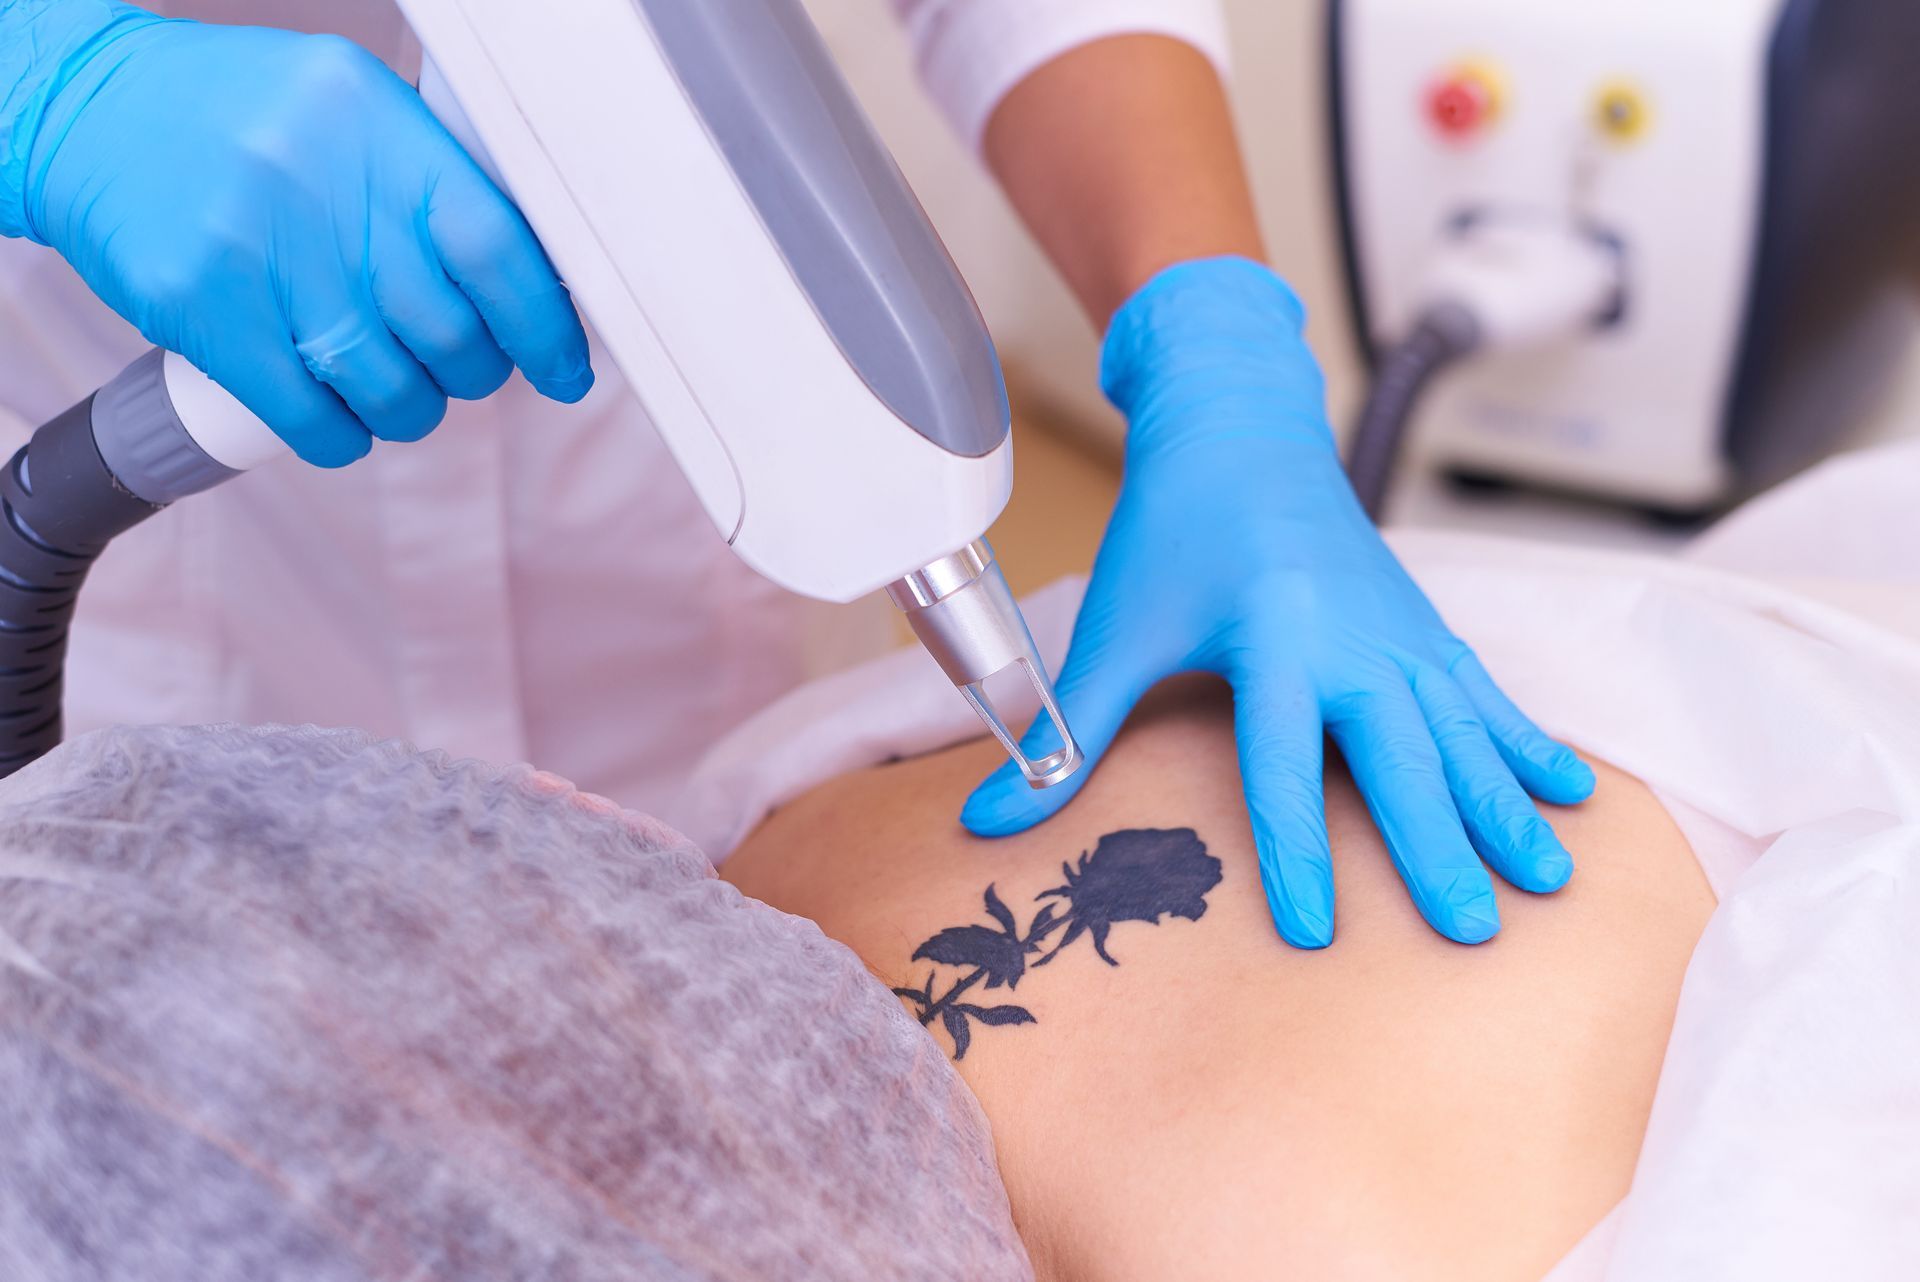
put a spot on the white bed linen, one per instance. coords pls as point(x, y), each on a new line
point(1780, 729)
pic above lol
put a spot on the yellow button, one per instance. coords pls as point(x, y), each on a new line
point(1621, 111)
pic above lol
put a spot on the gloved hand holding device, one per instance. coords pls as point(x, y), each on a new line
point(283, 211)
point(1239, 548)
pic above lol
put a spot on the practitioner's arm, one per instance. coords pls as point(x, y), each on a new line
point(1122, 159)
point(1237, 546)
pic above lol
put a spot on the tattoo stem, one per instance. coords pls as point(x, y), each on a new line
point(961, 986)
point(1041, 929)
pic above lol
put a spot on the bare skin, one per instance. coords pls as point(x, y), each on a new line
point(1121, 157)
point(1222, 1106)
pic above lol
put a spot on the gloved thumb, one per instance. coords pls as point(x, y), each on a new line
point(1103, 678)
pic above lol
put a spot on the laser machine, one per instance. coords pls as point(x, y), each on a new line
point(1656, 252)
point(755, 262)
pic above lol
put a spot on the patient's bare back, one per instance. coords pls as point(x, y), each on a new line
point(1175, 1092)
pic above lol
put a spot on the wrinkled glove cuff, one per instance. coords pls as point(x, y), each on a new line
point(1217, 346)
point(43, 45)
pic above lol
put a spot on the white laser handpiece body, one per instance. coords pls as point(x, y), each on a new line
point(753, 260)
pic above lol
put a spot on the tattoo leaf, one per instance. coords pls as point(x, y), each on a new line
point(1001, 958)
point(998, 1016)
point(957, 1029)
point(1001, 913)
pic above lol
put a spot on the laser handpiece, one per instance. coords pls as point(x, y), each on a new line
point(717, 202)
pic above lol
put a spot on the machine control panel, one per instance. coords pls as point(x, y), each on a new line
point(1640, 121)
point(1466, 99)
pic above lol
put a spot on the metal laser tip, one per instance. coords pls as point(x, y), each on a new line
point(965, 615)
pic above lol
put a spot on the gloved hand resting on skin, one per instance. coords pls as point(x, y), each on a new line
point(1238, 548)
point(281, 210)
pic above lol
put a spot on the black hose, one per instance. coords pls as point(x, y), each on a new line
point(60, 505)
point(1445, 333)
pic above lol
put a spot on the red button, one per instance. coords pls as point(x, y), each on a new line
point(1459, 105)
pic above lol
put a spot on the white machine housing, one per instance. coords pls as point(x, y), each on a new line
point(1720, 200)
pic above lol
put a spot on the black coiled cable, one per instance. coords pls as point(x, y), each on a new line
point(60, 506)
point(1445, 334)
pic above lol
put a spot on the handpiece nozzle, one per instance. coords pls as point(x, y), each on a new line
point(965, 615)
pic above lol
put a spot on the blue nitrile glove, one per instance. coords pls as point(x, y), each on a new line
point(1238, 548)
point(281, 210)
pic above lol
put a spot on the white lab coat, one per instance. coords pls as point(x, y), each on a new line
point(532, 582)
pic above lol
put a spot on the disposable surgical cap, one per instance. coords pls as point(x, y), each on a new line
point(294, 1004)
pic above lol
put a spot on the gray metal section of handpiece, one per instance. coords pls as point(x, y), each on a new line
point(831, 197)
point(143, 441)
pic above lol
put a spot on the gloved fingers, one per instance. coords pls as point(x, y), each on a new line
point(435, 321)
point(347, 346)
point(1276, 723)
point(1391, 753)
point(1102, 680)
point(1545, 767)
point(1501, 819)
point(277, 386)
point(489, 251)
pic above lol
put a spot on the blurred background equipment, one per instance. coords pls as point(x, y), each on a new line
point(1069, 438)
point(1754, 165)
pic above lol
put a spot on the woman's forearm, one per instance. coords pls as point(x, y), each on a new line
point(1122, 158)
